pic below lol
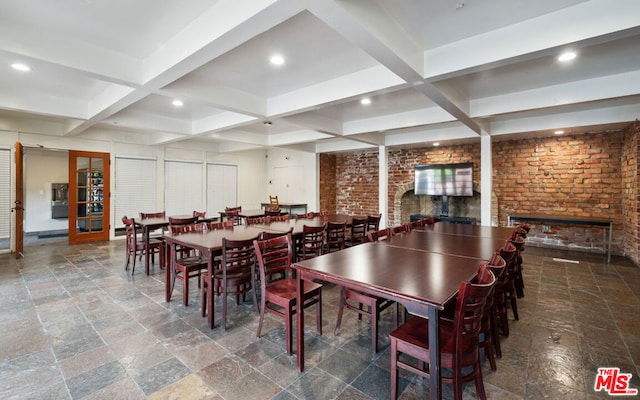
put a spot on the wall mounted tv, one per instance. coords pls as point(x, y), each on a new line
point(444, 179)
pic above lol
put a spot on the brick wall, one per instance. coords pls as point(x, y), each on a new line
point(328, 184)
point(580, 175)
point(630, 192)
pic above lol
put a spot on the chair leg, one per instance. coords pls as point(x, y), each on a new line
point(185, 288)
point(394, 369)
point(224, 306)
point(480, 385)
point(288, 315)
point(494, 333)
point(261, 320)
point(203, 299)
point(319, 314)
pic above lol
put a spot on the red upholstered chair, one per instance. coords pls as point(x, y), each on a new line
point(279, 288)
point(312, 242)
point(335, 235)
point(358, 232)
point(365, 304)
point(188, 263)
point(135, 245)
point(235, 276)
point(459, 348)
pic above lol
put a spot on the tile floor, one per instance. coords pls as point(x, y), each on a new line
point(74, 325)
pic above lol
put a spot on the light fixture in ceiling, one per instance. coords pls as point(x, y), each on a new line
point(365, 101)
point(436, 144)
point(459, 6)
point(20, 67)
point(177, 103)
point(559, 132)
point(567, 56)
point(276, 59)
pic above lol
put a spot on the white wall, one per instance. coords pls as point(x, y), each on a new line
point(42, 168)
point(295, 172)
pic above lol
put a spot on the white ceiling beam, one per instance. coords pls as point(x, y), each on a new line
point(425, 116)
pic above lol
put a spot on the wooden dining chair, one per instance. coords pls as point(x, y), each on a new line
point(311, 242)
point(358, 232)
point(272, 211)
point(458, 340)
point(504, 293)
point(490, 338)
point(199, 214)
point(157, 234)
point(188, 263)
point(381, 234)
point(373, 222)
point(257, 220)
point(335, 236)
point(135, 246)
point(400, 229)
point(214, 225)
point(273, 201)
point(281, 218)
point(366, 304)
point(235, 276)
point(279, 287)
point(233, 214)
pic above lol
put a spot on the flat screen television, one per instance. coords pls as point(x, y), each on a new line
point(444, 179)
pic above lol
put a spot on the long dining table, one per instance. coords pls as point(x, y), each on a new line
point(421, 270)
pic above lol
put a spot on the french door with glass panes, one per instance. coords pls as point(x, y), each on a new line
point(88, 197)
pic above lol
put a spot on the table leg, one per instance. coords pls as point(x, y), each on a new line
point(610, 239)
point(169, 257)
point(146, 250)
point(300, 328)
point(434, 354)
point(209, 300)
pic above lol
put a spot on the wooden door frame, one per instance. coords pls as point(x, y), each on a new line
point(19, 201)
point(103, 235)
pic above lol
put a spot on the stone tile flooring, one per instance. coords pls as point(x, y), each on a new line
point(74, 325)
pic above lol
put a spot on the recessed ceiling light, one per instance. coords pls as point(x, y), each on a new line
point(567, 56)
point(558, 132)
point(276, 59)
point(20, 67)
point(177, 103)
point(366, 101)
point(436, 144)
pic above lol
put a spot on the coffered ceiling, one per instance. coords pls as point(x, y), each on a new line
point(436, 70)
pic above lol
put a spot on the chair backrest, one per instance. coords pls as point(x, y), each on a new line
point(398, 229)
point(518, 242)
point(257, 220)
point(273, 201)
point(308, 215)
point(233, 214)
point(173, 221)
point(265, 235)
point(380, 234)
point(160, 214)
point(508, 251)
point(274, 257)
point(468, 314)
point(130, 231)
point(281, 218)
point(312, 243)
point(358, 230)
point(199, 214)
point(186, 228)
point(238, 255)
point(496, 260)
point(335, 236)
point(212, 226)
point(373, 222)
point(322, 213)
point(272, 211)
point(519, 231)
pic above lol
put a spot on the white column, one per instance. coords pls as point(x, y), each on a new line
point(383, 189)
point(486, 179)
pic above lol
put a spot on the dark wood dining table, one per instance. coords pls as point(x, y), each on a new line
point(149, 225)
point(423, 282)
point(482, 247)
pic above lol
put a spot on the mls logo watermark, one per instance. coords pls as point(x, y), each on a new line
point(614, 382)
